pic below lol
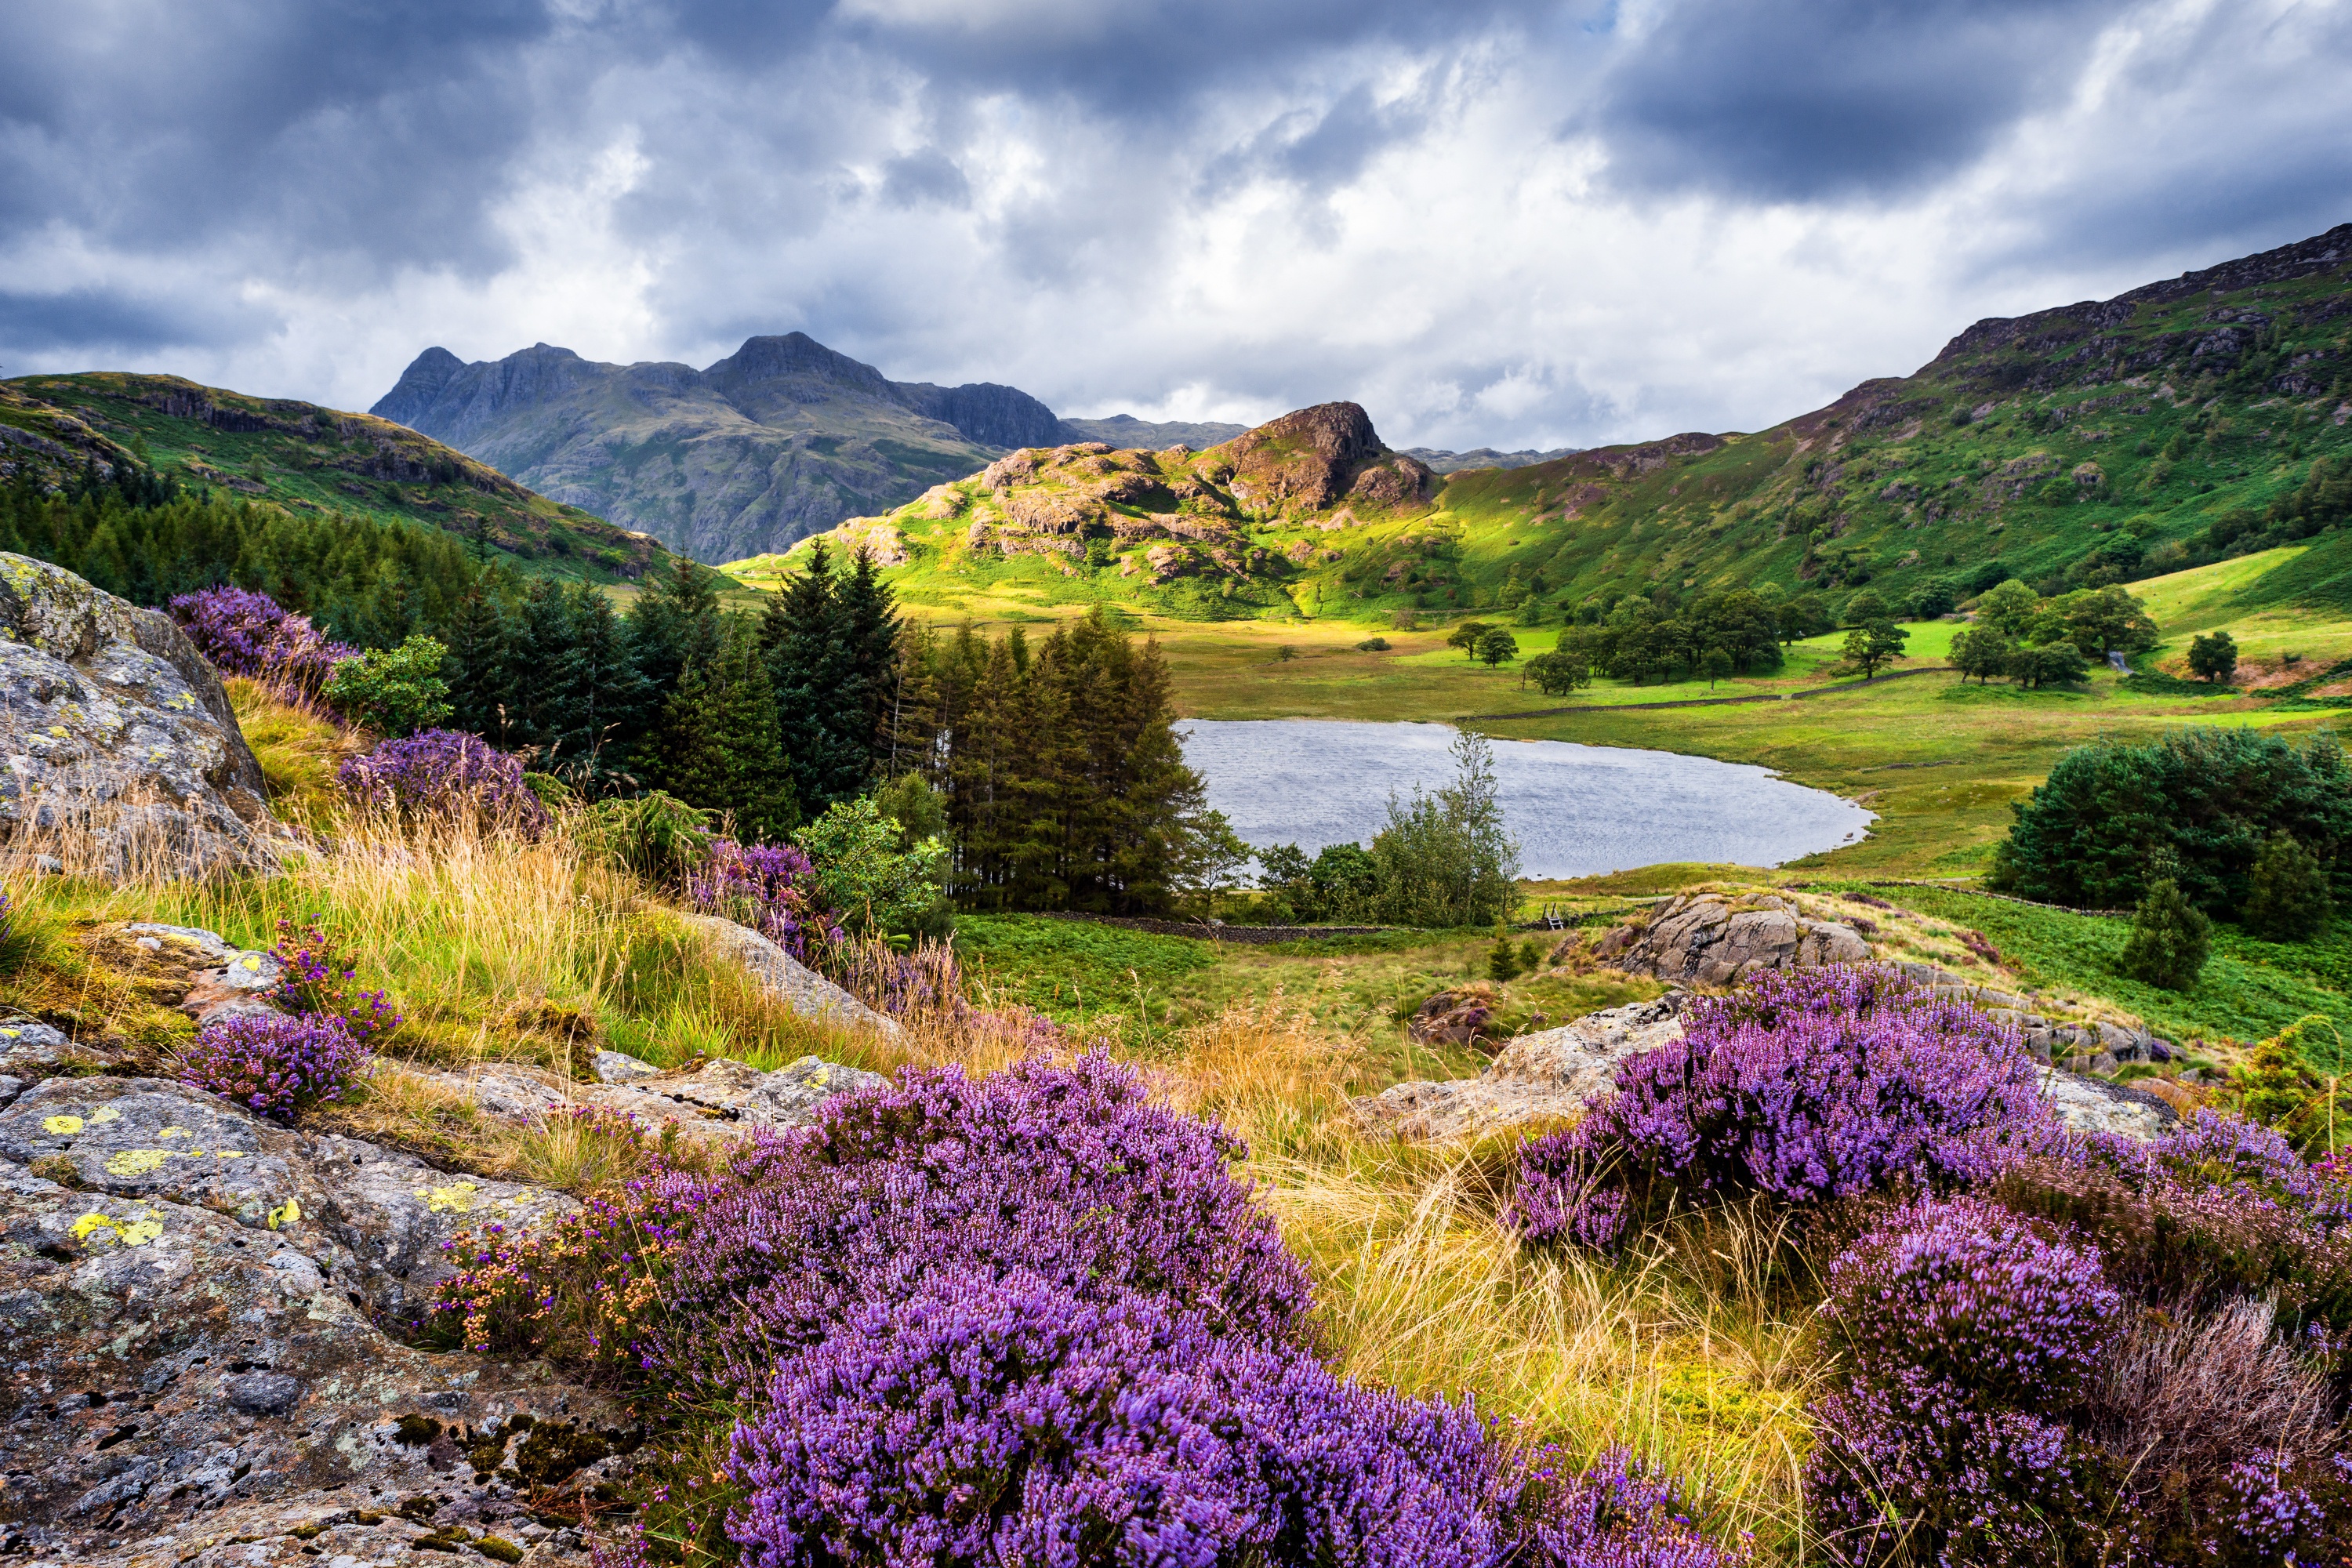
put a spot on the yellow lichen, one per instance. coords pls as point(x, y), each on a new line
point(286, 1213)
point(457, 1197)
point(141, 1233)
point(89, 1222)
point(65, 1126)
point(172, 1132)
point(103, 1114)
point(231, 1153)
point(136, 1162)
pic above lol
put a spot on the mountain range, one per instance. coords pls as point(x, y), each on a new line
point(783, 438)
point(2199, 417)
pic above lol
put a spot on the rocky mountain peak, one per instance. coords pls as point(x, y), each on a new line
point(1312, 457)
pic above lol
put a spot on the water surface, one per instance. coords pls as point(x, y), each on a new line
point(1577, 811)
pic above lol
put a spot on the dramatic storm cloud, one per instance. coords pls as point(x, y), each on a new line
point(1491, 222)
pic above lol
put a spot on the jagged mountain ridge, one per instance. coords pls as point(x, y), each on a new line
point(298, 456)
point(2105, 441)
point(780, 440)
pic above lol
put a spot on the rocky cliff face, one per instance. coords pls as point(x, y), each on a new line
point(783, 438)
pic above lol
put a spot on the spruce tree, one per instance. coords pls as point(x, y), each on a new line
point(718, 744)
point(2286, 892)
point(675, 622)
point(2169, 939)
point(481, 640)
point(813, 666)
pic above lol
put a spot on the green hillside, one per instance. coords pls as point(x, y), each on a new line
point(301, 456)
point(2194, 420)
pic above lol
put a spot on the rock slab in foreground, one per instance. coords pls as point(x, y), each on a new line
point(809, 994)
point(1707, 939)
point(192, 1375)
point(112, 725)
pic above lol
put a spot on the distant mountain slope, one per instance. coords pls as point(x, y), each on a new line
point(1126, 432)
point(1208, 534)
point(1485, 458)
point(299, 456)
point(2107, 441)
point(778, 440)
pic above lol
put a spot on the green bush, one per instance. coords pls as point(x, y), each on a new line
point(658, 837)
point(2213, 657)
point(2286, 892)
point(862, 871)
point(1446, 859)
point(2209, 797)
point(2170, 939)
point(395, 691)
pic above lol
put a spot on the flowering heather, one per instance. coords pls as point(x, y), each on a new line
point(1809, 1085)
point(1619, 1515)
point(248, 633)
point(317, 979)
point(444, 773)
point(772, 887)
point(1005, 1420)
point(276, 1067)
point(1965, 1292)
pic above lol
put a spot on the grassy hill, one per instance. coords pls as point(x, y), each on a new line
point(301, 456)
point(2107, 441)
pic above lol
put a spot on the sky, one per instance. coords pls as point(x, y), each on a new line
point(1491, 222)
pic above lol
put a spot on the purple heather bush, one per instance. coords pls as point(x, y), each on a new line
point(1808, 1085)
point(444, 773)
point(248, 633)
point(274, 1065)
point(772, 887)
point(316, 978)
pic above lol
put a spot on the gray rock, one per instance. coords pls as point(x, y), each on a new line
point(179, 1390)
point(120, 737)
point(807, 993)
point(617, 1067)
point(2092, 1105)
point(1549, 1075)
point(726, 1098)
point(151, 1138)
point(1706, 938)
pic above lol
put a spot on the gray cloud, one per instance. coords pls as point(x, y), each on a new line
point(1515, 222)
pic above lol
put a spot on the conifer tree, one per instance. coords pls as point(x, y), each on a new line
point(675, 622)
point(480, 670)
point(719, 746)
point(2169, 939)
point(811, 663)
point(2286, 892)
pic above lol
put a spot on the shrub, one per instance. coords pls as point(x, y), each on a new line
point(1373, 645)
point(444, 773)
point(275, 1067)
point(773, 888)
point(318, 980)
point(2286, 892)
point(655, 835)
point(863, 872)
point(1809, 1085)
point(246, 632)
point(2088, 836)
point(1447, 859)
point(2170, 939)
point(2213, 657)
point(394, 692)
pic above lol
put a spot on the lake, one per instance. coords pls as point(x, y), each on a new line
point(1577, 811)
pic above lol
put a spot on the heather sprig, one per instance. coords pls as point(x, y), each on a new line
point(771, 888)
point(275, 1065)
point(315, 977)
point(1808, 1085)
point(248, 633)
point(443, 773)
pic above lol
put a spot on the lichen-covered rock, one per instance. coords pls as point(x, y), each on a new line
point(730, 1099)
point(1708, 939)
point(619, 1067)
point(2094, 1105)
point(182, 1391)
point(150, 1139)
point(807, 993)
point(1545, 1077)
point(116, 736)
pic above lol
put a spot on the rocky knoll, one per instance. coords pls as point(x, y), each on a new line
point(116, 737)
point(1537, 1077)
point(1712, 939)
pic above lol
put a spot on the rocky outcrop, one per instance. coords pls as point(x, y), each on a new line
point(1540, 1078)
point(806, 991)
point(195, 1370)
point(1710, 939)
point(1316, 458)
point(118, 742)
point(720, 1098)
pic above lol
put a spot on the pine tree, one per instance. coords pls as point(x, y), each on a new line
point(718, 744)
point(812, 662)
point(2286, 892)
point(480, 639)
point(676, 623)
point(2170, 939)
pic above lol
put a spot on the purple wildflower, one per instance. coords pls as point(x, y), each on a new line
point(444, 773)
point(276, 1067)
point(317, 979)
point(771, 888)
point(1808, 1085)
point(248, 633)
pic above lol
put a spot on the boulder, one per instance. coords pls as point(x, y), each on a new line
point(618, 1067)
point(122, 748)
point(1538, 1078)
point(2094, 1105)
point(805, 991)
point(728, 1099)
point(1707, 939)
point(192, 1377)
